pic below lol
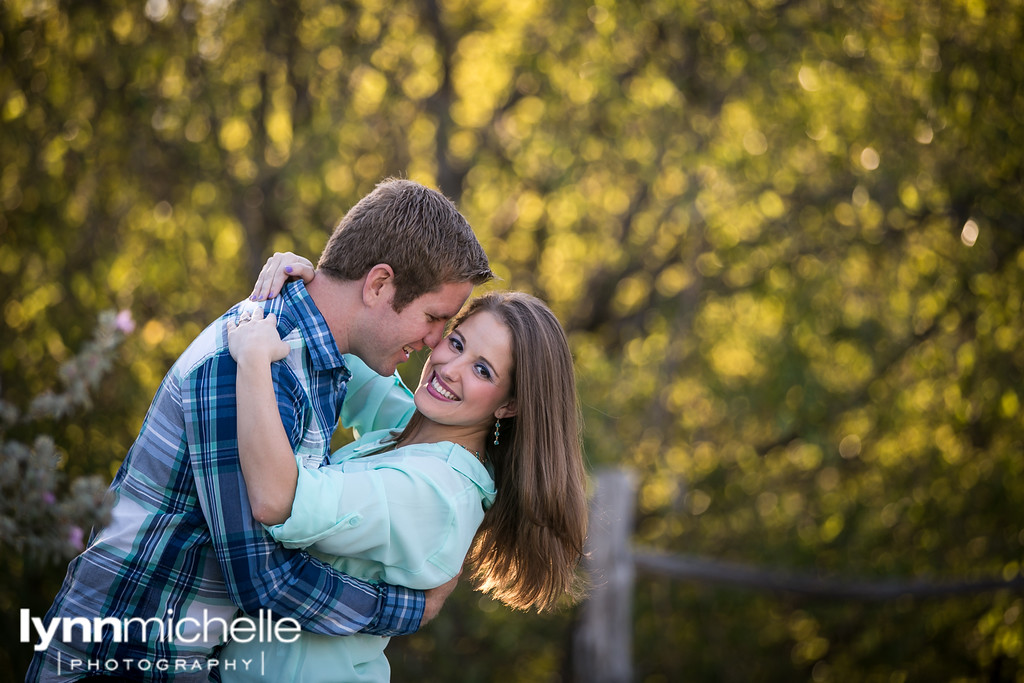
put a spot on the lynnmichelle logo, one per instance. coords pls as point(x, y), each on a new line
point(183, 631)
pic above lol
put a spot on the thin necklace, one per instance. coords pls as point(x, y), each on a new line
point(482, 458)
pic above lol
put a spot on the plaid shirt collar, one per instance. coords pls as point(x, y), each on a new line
point(295, 308)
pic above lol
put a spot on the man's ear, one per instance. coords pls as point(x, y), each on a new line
point(379, 285)
point(506, 410)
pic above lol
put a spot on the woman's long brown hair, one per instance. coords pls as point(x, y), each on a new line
point(528, 546)
point(527, 549)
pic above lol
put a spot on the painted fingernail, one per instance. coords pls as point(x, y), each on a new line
point(288, 269)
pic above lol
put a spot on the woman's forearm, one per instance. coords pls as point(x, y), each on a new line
point(268, 463)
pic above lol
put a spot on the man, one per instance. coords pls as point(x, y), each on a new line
point(182, 547)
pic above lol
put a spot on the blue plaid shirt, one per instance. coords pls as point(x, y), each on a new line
point(182, 543)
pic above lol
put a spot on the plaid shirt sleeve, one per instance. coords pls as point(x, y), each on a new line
point(401, 611)
point(259, 573)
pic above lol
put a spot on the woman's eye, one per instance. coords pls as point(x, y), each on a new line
point(483, 371)
point(455, 343)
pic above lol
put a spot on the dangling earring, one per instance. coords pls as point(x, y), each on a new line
point(497, 426)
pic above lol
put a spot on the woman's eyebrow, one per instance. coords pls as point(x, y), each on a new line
point(480, 356)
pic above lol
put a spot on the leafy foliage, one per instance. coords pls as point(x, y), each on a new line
point(44, 519)
point(785, 238)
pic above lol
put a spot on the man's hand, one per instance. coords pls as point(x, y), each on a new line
point(436, 597)
point(278, 269)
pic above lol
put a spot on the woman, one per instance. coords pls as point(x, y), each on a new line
point(490, 464)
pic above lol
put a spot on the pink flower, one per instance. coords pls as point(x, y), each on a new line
point(49, 498)
point(124, 321)
point(75, 537)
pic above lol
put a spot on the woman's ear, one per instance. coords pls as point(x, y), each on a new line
point(378, 284)
point(506, 410)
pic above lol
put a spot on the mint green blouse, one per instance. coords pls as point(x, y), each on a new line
point(405, 516)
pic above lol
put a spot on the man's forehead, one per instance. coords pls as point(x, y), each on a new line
point(446, 301)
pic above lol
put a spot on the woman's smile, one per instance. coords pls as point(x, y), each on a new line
point(439, 389)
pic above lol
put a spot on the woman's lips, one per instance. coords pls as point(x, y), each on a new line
point(438, 388)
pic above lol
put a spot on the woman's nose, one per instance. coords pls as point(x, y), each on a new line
point(452, 370)
point(445, 371)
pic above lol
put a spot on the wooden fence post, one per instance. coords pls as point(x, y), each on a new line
point(603, 641)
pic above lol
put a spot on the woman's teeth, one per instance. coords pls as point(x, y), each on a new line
point(436, 386)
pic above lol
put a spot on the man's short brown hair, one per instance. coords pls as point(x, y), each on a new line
point(415, 230)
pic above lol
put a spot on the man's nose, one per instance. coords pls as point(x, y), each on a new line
point(435, 335)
